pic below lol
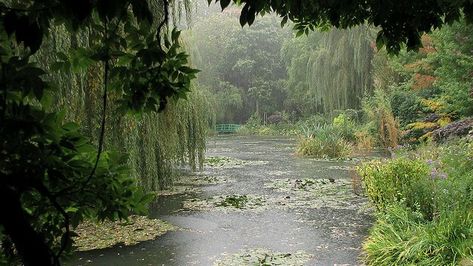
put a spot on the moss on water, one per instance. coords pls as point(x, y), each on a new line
point(95, 235)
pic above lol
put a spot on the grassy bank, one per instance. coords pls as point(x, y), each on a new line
point(424, 200)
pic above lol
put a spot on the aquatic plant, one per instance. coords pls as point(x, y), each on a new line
point(99, 235)
point(226, 203)
point(236, 201)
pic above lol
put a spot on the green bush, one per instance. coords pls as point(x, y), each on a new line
point(403, 237)
point(282, 129)
point(406, 106)
point(398, 180)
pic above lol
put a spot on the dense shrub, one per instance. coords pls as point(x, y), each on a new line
point(275, 119)
point(382, 122)
point(311, 124)
point(281, 129)
point(399, 180)
point(406, 106)
point(317, 147)
point(364, 140)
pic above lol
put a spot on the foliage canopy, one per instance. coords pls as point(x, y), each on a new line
point(400, 22)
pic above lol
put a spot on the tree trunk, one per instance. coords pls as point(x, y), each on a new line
point(30, 245)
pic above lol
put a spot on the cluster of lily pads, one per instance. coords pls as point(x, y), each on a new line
point(311, 193)
point(307, 193)
point(229, 162)
point(99, 235)
point(264, 257)
point(227, 203)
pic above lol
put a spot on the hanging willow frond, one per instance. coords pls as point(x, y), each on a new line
point(157, 144)
point(337, 70)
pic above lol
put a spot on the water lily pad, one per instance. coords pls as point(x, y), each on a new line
point(264, 257)
point(228, 162)
point(190, 184)
point(313, 193)
point(227, 203)
point(94, 235)
point(221, 161)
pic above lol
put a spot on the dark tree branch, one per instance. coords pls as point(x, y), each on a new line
point(30, 244)
point(165, 19)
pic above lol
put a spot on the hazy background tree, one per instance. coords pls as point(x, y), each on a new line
point(328, 71)
point(242, 67)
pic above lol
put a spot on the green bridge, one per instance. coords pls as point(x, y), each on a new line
point(226, 128)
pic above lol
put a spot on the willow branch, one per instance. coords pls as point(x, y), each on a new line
point(103, 123)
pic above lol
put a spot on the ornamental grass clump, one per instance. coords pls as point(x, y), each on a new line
point(403, 237)
point(323, 142)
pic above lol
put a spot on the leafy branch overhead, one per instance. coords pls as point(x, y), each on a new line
point(151, 64)
point(400, 22)
point(51, 176)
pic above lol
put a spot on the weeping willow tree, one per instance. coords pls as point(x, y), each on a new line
point(329, 71)
point(157, 144)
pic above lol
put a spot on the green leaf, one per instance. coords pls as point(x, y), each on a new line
point(284, 21)
point(244, 15)
point(71, 209)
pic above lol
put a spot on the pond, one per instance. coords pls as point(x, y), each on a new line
point(262, 206)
